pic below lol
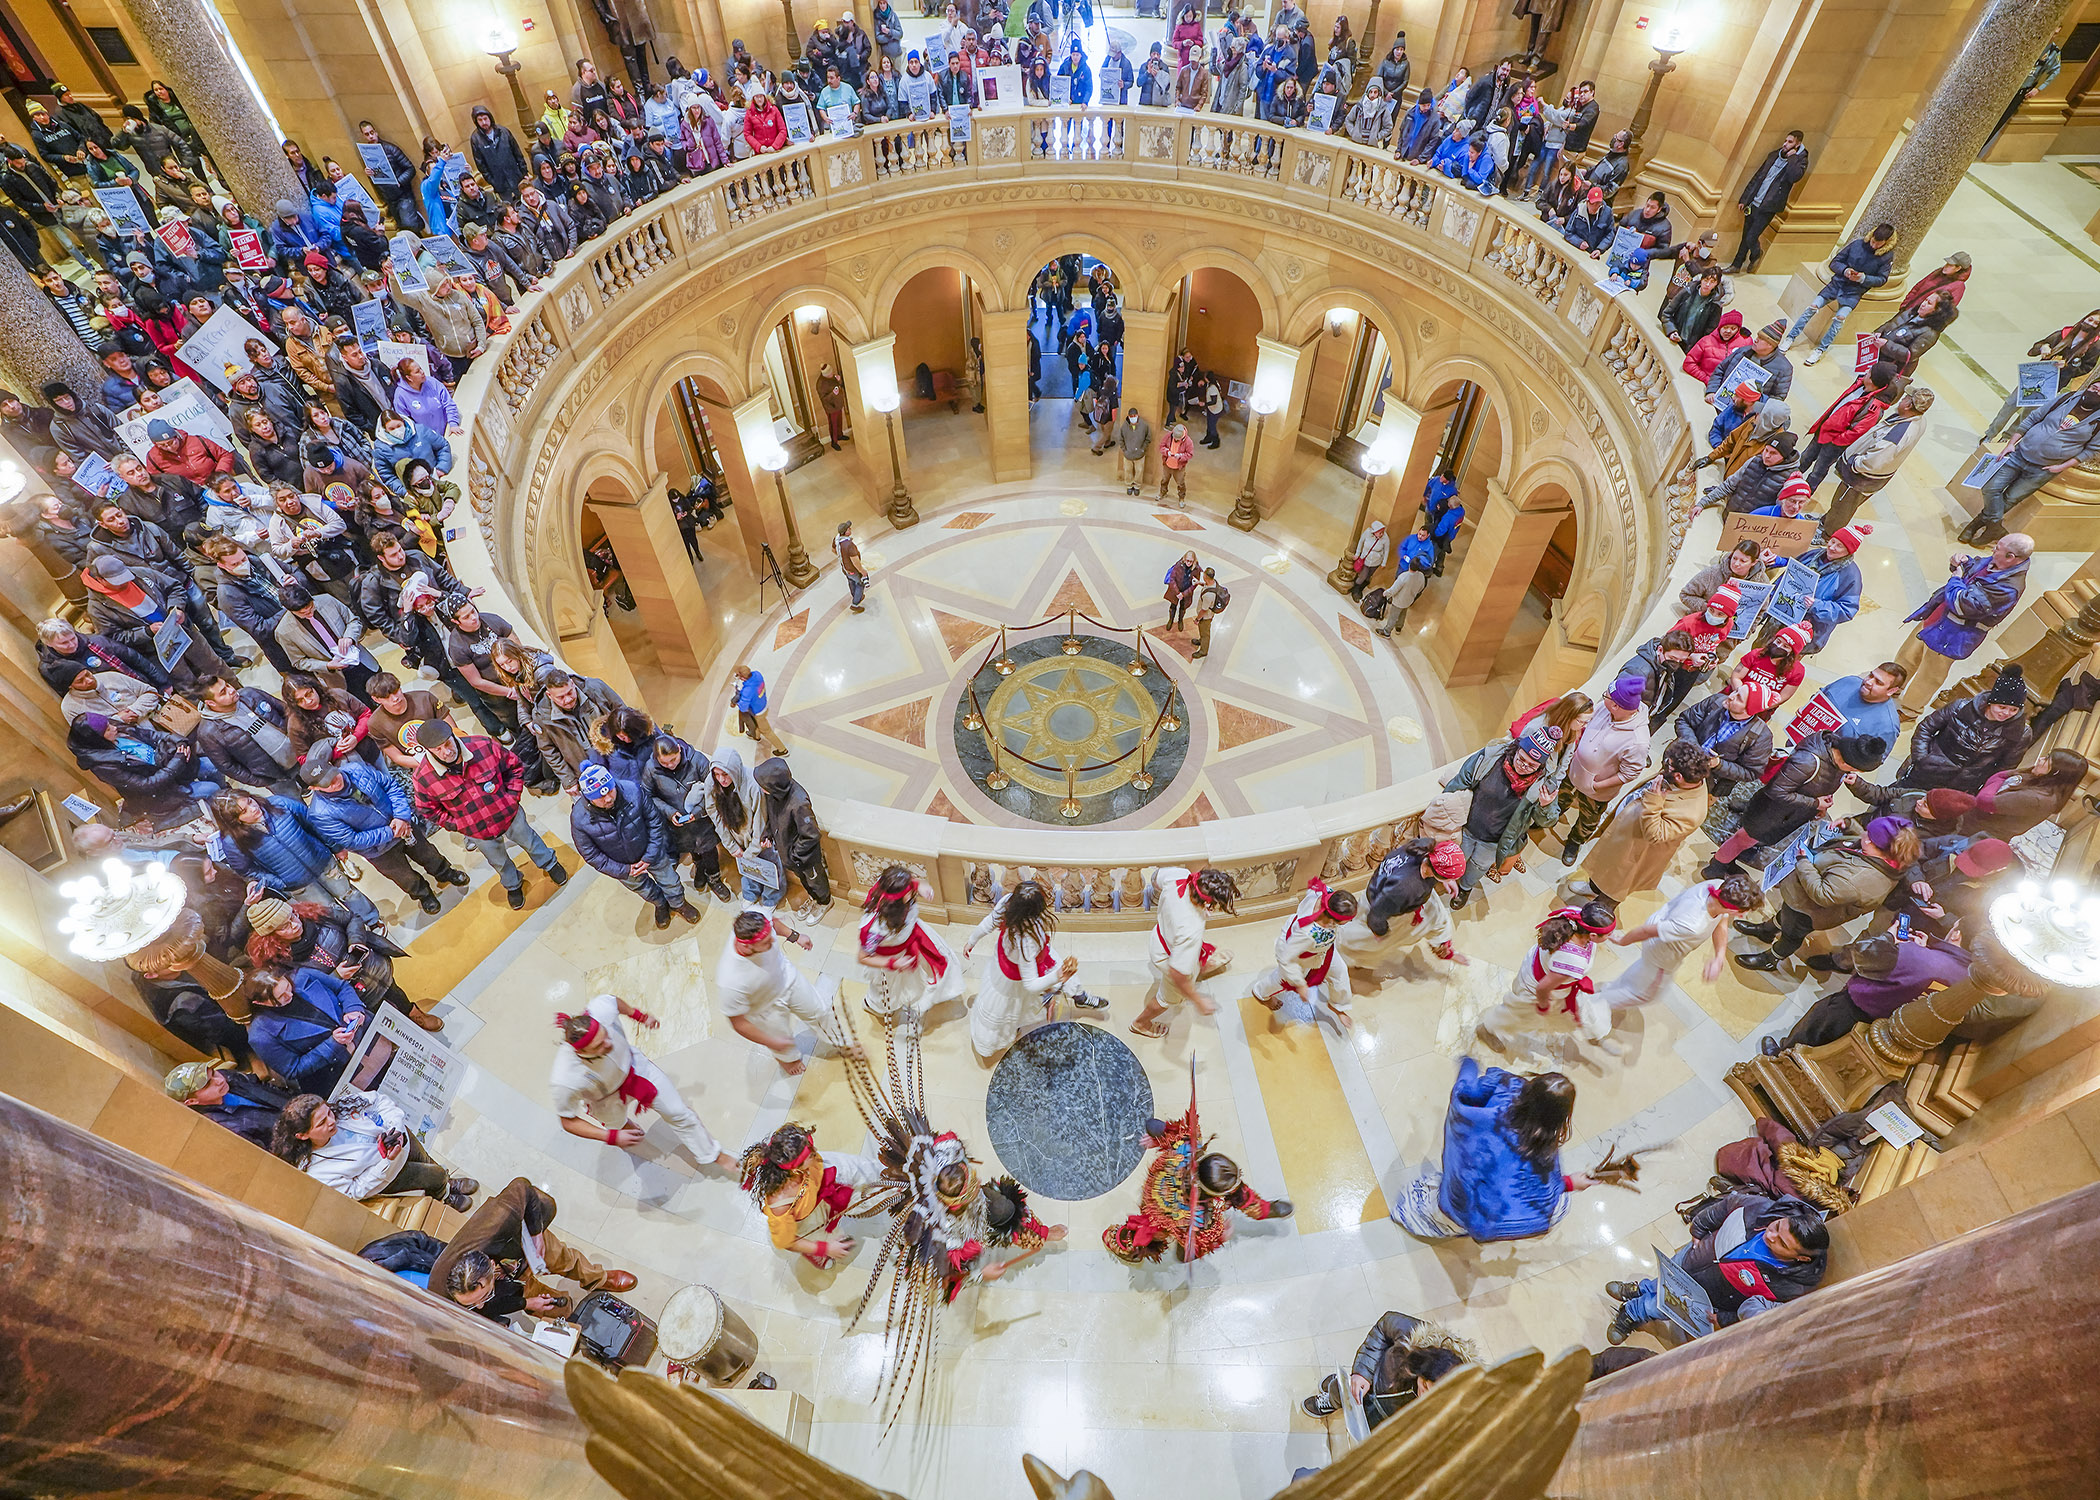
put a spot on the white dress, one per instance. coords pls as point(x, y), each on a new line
point(1305, 952)
point(1542, 1035)
point(1682, 925)
point(934, 976)
point(1010, 993)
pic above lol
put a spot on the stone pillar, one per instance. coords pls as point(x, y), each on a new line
point(185, 43)
point(1953, 123)
point(754, 420)
point(1490, 586)
point(1281, 375)
point(667, 592)
point(40, 344)
point(1006, 407)
point(869, 370)
point(273, 1364)
point(725, 424)
point(1147, 352)
point(1926, 1378)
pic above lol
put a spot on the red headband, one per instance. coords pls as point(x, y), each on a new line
point(808, 1145)
point(1719, 895)
point(588, 1037)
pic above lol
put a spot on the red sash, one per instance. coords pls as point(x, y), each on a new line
point(832, 1193)
point(916, 942)
point(637, 1090)
point(1181, 888)
point(1012, 970)
point(1582, 986)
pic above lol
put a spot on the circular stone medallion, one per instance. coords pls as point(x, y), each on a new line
point(1066, 1111)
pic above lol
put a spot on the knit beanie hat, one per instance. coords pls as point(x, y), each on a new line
point(269, 914)
point(2011, 687)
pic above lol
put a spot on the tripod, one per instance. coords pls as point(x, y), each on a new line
point(771, 570)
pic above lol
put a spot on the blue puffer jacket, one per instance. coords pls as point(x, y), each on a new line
point(290, 853)
point(343, 822)
point(1495, 1193)
point(1836, 600)
point(303, 1052)
point(1968, 606)
point(1873, 267)
point(613, 838)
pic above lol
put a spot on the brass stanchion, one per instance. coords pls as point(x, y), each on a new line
point(1004, 666)
point(1072, 644)
point(1170, 720)
point(1137, 657)
point(997, 780)
point(974, 719)
point(1069, 808)
point(1143, 780)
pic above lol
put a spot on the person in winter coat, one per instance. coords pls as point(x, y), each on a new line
point(1500, 1175)
point(1694, 313)
point(1849, 418)
point(1979, 595)
point(1588, 226)
point(476, 787)
point(567, 719)
point(1764, 351)
point(2010, 803)
point(1500, 776)
point(1907, 336)
point(306, 1025)
point(63, 652)
point(157, 776)
point(1757, 483)
point(1764, 197)
point(496, 154)
point(1855, 270)
point(1370, 121)
point(619, 832)
point(1799, 788)
point(1727, 727)
point(674, 776)
point(362, 1147)
point(1638, 844)
point(1833, 883)
point(1783, 1258)
point(2074, 350)
point(1966, 743)
point(132, 606)
point(1838, 582)
point(1400, 1359)
point(791, 823)
point(357, 808)
point(242, 730)
point(1746, 560)
point(231, 1097)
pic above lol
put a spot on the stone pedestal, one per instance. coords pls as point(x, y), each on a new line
point(1006, 392)
point(236, 132)
point(2062, 516)
point(667, 592)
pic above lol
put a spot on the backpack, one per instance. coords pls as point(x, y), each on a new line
point(1373, 605)
point(1220, 596)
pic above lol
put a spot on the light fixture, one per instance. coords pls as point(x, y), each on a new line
point(1338, 320)
point(123, 911)
point(886, 400)
point(882, 394)
point(812, 317)
point(499, 40)
point(2056, 936)
point(774, 459)
point(1264, 404)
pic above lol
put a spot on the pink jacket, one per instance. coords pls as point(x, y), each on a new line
point(1175, 452)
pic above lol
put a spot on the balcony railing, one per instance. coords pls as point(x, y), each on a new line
point(1610, 348)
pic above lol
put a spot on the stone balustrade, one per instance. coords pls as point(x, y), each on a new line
point(591, 310)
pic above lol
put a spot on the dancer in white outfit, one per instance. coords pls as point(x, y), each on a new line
point(1180, 958)
point(1305, 953)
point(907, 963)
point(600, 1081)
point(1021, 976)
point(1696, 915)
point(762, 994)
point(1405, 903)
point(1550, 996)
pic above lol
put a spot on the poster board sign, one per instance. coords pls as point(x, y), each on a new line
point(183, 407)
point(349, 190)
point(368, 318)
point(1625, 240)
point(1792, 592)
point(1061, 88)
point(248, 252)
point(169, 642)
point(1896, 1127)
point(401, 260)
point(1684, 1301)
point(2038, 382)
point(376, 165)
point(1818, 716)
point(1321, 115)
point(1748, 372)
point(122, 206)
point(175, 234)
point(999, 89)
point(1792, 849)
point(445, 250)
point(918, 93)
point(1754, 592)
point(80, 807)
point(1987, 464)
point(841, 117)
point(409, 1065)
point(390, 353)
point(220, 342)
point(455, 169)
point(96, 476)
point(958, 122)
point(1780, 535)
point(1864, 353)
point(799, 130)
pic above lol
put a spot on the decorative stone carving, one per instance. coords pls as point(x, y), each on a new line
point(843, 168)
point(1156, 142)
point(576, 306)
point(1588, 308)
point(727, 323)
point(616, 415)
point(859, 268)
point(1313, 169)
point(1461, 223)
point(868, 868)
point(1003, 241)
point(1540, 421)
point(698, 220)
point(1427, 329)
point(996, 142)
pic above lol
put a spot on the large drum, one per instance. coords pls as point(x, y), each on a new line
point(703, 1340)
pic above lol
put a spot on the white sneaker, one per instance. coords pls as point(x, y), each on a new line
point(1813, 356)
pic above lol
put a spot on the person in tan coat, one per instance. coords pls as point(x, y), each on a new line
point(1644, 833)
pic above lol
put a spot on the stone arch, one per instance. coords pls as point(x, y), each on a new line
point(675, 363)
point(847, 320)
point(907, 267)
point(1218, 258)
point(1125, 260)
point(1454, 367)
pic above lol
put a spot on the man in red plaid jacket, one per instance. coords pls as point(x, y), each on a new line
point(474, 786)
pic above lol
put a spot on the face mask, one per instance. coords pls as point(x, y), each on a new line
point(1713, 619)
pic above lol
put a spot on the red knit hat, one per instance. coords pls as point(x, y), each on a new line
point(1797, 484)
point(1728, 598)
point(1850, 537)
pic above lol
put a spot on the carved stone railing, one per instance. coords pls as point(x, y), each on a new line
point(1602, 353)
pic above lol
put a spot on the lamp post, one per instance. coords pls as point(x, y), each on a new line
point(902, 514)
point(137, 913)
point(787, 12)
point(1343, 578)
point(1673, 42)
point(500, 42)
point(798, 569)
point(1246, 514)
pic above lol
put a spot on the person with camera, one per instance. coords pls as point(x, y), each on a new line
point(362, 1147)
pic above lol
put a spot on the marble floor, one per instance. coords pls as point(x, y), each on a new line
point(1076, 1358)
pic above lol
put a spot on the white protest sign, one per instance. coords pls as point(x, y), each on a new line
point(376, 165)
point(391, 352)
point(183, 407)
point(397, 1058)
point(958, 122)
point(798, 126)
point(999, 89)
point(123, 209)
point(221, 342)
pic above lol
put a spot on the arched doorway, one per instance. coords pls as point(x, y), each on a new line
point(937, 322)
point(1075, 310)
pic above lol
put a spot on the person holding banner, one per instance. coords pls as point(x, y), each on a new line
point(147, 612)
point(1838, 583)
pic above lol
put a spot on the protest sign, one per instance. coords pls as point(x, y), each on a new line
point(455, 169)
point(798, 126)
point(1684, 1302)
point(1061, 88)
point(1754, 592)
point(175, 234)
point(445, 250)
point(183, 407)
point(1792, 849)
point(377, 166)
point(1987, 464)
point(918, 92)
point(391, 352)
point(368, 318)
point(401, 260)
point(1322, 112)
point(1625, 240)
point(841, 117)
point(169, 642)
point(1818, 716)
point(96, 476)
point(999, 89)
point(1896, 1127)
point(1864, 353)
point(397, 1058)
point(958, 122)
point(349, 190)
point(1748, 372)
point(248, 252)
point(1789, 538)
point(122, 206)
point(219, 343)
point(2038, 382)
point(1792, 592)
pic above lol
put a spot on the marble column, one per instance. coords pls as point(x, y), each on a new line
point(237, 134)
point(1282, 374)
point(725, 428)
point(1960, 1370)
point(1006, 392)
point(40, 345)
point(1489, 587)
point(667, 592)
point(1953, 123)
point(1146, 357)
point(181, 1342)
point(755, 433)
